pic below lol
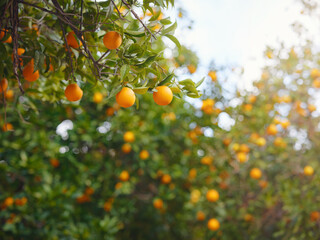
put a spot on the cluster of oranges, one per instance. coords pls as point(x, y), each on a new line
point(10, 201)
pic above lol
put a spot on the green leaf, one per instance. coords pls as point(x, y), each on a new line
point(170, 30)
point(175, 40)
point(141, 90)
point(200, 82)
point(124, 70)
point(166, 79)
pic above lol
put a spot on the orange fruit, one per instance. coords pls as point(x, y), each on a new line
point(213, 76)
point(244, 148)
point(261, 141)
point(126, 148)
point(128, 137)
point(144, 154)
point(126, 97)
point(72, 40)
point(201, 216)
point(213, 224)
point(206, 160)
point(20, 51)
point(107, 206)
point(3, 33)
point(3, 85)
point(191, 68)
point(272, 129)
point(212, 195)
point(308, 170)
point(312, 108)
point(54, 162)
point(9, 94)
point(8, 201)
point(314, 216)
point(227, 141)
point(7, 127)
point(248, 217)
point(314, 73)
point(163, 96)
point(73, 92)
point(89, 191)
point(110, 111)
point(158, 203)
point(112, 40)
point(166, 179)
point(28, 72)
point(263, 183)
point(255, 173)
point(192, 173)
point(97, 97)
point(242, 157)
point(124, 176)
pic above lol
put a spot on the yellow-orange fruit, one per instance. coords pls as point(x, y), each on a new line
point(212, 195)
point(8, 201)
point(272, 129)
point(126, 148)
point(73, 92)
point(255, 173)
point(166, 179)
point(28, 72)
point(158, 203)
point(144, 154)
point(124, 176)
point(7, 127)
point(314, 216)
point(72, 40)
point(308, 170)
point(112, 40)
point(126, 97)
point(128, 137)
point(201, 216)
point(4, 32)
point(192, 69)
point(163, 95)
point(213, 224)
point(97, 97)
point(9, 94)
point(54, 162)
point(242, 157)
point(213, 76)
point(3, 85)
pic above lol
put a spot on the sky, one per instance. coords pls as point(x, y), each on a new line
point(236, 32)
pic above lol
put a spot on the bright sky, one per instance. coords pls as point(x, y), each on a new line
point(237, 31)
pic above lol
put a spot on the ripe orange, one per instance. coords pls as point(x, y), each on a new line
point(73, 92)
point(244, 148)
point(312, 108)
point(3, 85)
point(28, 72)
point(314, 216)
point(192, 69)
point(144, 154)
point(128, 137)
point(192, 173)
point(20, 51)
point(4, 32)
point(110, 111)
point(213, 224)
point(7, 127)
point(242, 157)
point(158, 203)
point(97, 97)
point(248, 217)
point(213, 76)
point(72, 40)
point(112, 40)
point(212, 195)
point(21, 201)
point(314, 73)
point(163, 96)
point(272, 129)
point(126, 148)
point(8, 201)
point(126, 97)
point(263, 183)
point(54, 162)
point(261, 141)
point(200, 216)
point(308, 170)
point(89, 191)
point(227, 141)
point(9, 94)
point(255, 173)
point(252, 98)
point(124, 176)
point(206, 160)
point(166, 179)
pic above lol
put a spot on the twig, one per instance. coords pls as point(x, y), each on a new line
point(103, 55)
point(14, 35)
point(137, 17)
point(117, 9)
